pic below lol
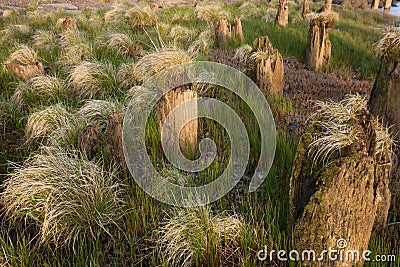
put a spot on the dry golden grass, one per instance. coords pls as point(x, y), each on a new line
point(8, 13)
point(158, 61)
point(75, 54)
point(47, 85)
point(118, 42)
point(250, 10)
point(45, 40)
point(66, 196)
point(189, 234)
point(268, 52)
point(138, 17)
point(180, 34)
point(90, 80)
point(243, 53)
point(17, 100)
point(116, 14)
point(211, 13)
point(40, 88)
point(328, 19)
point(23, 55)
point(99, 112)
point(71, 37)
point(125, 75)
point(338, 130)
point(389, 44)
point(202, 44)
point(43, 124)
point(12, 31)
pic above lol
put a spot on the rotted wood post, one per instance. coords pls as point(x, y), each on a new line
point(188, 135)
point(269, 71)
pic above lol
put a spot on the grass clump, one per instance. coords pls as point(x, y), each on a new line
point(116, 14)
point(44, 124)
point(68, 197)
point(118, 42)
point(389, 44)
point(211, 13)
point(14, 31)
point(138, 18)
point(71, 37)
point(202, 45)
point(190, 236)
point(98, 112)
point(250, 10)
point(180, 34)
point(339, 130)
point(45, 40)
point(243, 53)
point(23, 55)
point(328, 19)
point(75, 54)
point(90, 79)
point(158, 61)
point(39, 89)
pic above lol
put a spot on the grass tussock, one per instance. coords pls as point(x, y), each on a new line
point(45, 40)
point(250, 10)
point(180, 34)
point(158, 61)
point(339, 130)
point(138, 18)
point(47, 85)
point(71, 37)
point(327, 19)
point(99, 112)
point(243, 53)
point(75, 54)
point(118, 42)
point(23, 55)
point(14, 31)
point(211, 13)
point(39, 89)
point(90, 79)
point(66, 196)
point(389, 44)
point(202, 45)
point(116, 14)
point(125, 75)
point(188, 235)
point(268, 52)
point(45, 124)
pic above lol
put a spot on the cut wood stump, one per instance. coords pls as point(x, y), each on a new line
point(388, 4)
point(318, 52)
point(95, 142)
point(375, 4)
point(223, 34)
point(282, 16)
point(269, 71)
point(188, 135)
point(237, 31)
point(346, 199)
point(305, 9)
point(69, 24)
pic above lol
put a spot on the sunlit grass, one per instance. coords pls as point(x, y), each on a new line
point(92, 73)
